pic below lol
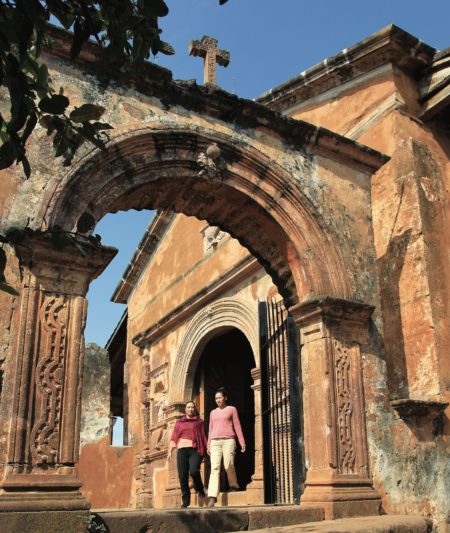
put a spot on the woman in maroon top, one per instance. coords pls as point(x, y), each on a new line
point(189, 438)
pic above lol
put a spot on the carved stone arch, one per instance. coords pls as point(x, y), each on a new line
point(256, 199)
point(213, 319)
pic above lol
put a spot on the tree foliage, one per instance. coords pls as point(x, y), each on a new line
point(127, 32)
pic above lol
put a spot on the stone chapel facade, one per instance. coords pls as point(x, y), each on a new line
point(336, 184)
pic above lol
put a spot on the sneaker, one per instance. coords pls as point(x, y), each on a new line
point(233, 489)
point(184, 505)
point(212, 502)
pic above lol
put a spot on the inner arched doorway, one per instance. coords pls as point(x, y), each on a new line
point(217, 367)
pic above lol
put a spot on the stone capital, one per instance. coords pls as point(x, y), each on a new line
point(68, 269)
point(332, 318)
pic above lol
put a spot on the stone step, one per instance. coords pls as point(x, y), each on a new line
point(368, 524)
point(206, 520)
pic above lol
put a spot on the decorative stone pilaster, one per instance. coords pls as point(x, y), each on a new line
point(47, 376)
point(332, 333)
point(254, 491)
point(172, 494)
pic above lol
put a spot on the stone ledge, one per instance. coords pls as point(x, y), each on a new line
point(44, 522)
point(218, 520)
point(369, 524)
point(407, 408)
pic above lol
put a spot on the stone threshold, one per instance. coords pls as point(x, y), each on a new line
point(367, 524)
point(207, 520)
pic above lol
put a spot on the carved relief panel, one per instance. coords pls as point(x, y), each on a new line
point(49, 378)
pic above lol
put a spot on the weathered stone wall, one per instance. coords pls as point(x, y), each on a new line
point(95, 399)
point(410, 199)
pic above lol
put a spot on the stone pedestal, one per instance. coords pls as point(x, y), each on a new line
point(46, 378)
point(332, 333)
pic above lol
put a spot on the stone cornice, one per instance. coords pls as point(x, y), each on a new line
point(332, 317)
point(327, 306)
point(248, 266)
point(142, 255)
point(389, 45)
point(216, 103)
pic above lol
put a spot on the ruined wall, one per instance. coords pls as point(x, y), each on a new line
point(105, 471)
point(95, 399)
point(410, 212)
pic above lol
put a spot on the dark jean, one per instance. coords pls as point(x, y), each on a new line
point(188, 464)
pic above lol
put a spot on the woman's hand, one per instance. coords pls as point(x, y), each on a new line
point(242, 449)
point(209, 451)
point(169, 455)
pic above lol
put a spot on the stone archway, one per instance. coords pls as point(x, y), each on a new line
point(245, 193)
point(218, 317)
point(258, 191)
point(224, 313)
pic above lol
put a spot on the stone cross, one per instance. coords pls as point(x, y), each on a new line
point(207, 48)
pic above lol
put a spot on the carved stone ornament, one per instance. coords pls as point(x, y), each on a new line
point(50, 379)
point(211, 237)
point(212, 166)
point(345, 407)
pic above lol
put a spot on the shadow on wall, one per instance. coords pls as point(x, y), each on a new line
point(425, 419)
point(390, 268)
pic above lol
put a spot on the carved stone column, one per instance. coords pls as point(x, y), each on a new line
point(172, 494)
point(332, 334)
point(46, 377)
point(255, 489)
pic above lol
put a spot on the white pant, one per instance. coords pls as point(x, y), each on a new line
point(225, 448)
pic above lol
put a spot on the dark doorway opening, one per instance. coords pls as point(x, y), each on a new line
point(226, 361)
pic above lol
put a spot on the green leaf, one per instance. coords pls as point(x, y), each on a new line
point(26, 166)
point(98, 126)
point(81, 35)
point(156, 8)
point(8, 154)
point(31, 123)
point(166, 48)
point(7, 288)
point(55, 104)
point(2, 264)
point(42, 77)
point(85, 223)
point(95, 239)
point(87, 112)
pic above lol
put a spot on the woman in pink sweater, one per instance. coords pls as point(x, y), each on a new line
point(224, 428)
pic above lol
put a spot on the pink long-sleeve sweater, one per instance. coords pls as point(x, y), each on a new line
point(224, 424)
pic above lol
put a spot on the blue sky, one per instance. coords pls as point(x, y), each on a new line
point(269, 41)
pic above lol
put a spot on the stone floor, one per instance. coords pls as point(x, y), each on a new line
point(369, 524)
point(267, 519)
point(204, 520)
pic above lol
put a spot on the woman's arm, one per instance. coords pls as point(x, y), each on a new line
point(172, 445)
point(238, 429)
point(211, 429)
point(173, 439)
